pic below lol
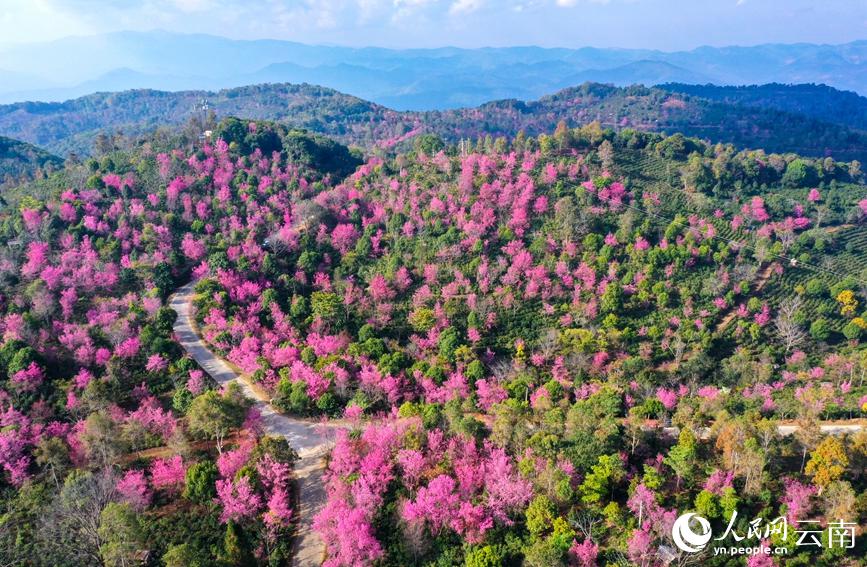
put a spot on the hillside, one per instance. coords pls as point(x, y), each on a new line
point(508, 336)
point(656, 110)
point(817, 101)
point(73, 125)
point(19, 161)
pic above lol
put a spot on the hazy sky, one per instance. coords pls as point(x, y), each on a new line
point(660, 24)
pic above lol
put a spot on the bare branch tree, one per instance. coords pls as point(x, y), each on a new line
point(677, 347)
point(548, 343)
point(791, 333)
point(585, 523)
point(71, 529)
point(502, 370)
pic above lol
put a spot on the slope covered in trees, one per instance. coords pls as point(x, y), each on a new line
point(656, 110)
point(20, 161)
point(75, 126)
point(818, 101)
point(506, 328)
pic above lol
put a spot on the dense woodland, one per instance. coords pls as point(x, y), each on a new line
point(818, 101)
point(544, 348)
point(76, 126)
point(21, 162)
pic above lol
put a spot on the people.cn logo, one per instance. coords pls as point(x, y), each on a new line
point(685, 538)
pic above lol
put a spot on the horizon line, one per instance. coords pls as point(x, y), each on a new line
point(4, 45)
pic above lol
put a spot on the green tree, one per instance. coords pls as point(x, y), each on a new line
point(697, 174)
point(592, 425)
point(213, 416)
point(820, 330)
point(852, 331)
point(165, 319)
point(612, 298)
point(182, 555)
point(163, 279)
point(603, 476)
point(799, 174)
point(540, 515)
point(199, 482)
point(235, 547)
point(327, 306)
point(277, 447)
point(706, 505)
point(121, 534)
point(729, 502)
point(429, 144)
point(486, 556)
point(475, 371)
point(52, 454)
point(543, 553)
point(292, 397)
point(815, 287)
point(448, 343)
point(422, 319)
point(319, 153)
point(681, 458)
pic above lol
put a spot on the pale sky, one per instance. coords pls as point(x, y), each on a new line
point(658, 24)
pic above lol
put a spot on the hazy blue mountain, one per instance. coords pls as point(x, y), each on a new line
point(123, 79)
point(11, 81)
point(411, 79)
point(645, 72)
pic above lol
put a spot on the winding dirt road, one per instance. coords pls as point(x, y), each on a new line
point(311, 440)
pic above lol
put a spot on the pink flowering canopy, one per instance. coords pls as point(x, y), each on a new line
point(539, 349)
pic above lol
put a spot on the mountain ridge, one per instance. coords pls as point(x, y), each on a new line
point(71, 126)
point(816, 100)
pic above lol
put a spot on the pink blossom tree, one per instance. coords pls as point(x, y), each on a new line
point(238, 499)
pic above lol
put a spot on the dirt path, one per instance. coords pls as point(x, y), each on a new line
point(837, 228)
point(310, 439)
point(787, 428)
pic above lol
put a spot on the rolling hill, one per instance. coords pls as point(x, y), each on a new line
point(817, 101)
point(20, 161)
point(657, 110)
point(71, 126)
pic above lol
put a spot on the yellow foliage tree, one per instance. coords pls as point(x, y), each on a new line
point(828, 462)
point(847, 301)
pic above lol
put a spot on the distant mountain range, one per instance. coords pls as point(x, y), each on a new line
point(776, 118)
point(412, 79)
